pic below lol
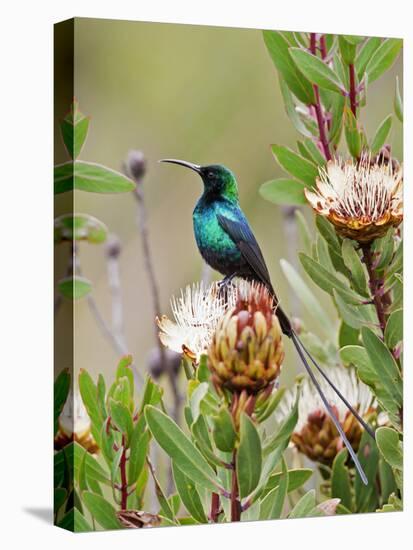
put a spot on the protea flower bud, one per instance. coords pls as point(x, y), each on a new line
point(315, 434)
point(319, 439)
point(361, 199)
point(74, 425)
point(247, 351)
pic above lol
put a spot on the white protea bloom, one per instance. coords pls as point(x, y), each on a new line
point(315, 434)
point(361, 199)
point(196, 312)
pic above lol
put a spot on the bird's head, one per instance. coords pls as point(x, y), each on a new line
point(218, 180)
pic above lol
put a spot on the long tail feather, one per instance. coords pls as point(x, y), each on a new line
point(330, 411)
point(353, 411)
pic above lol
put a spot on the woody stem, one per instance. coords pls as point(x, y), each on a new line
point(375, 284)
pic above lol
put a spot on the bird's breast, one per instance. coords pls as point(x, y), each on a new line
point(215, 245)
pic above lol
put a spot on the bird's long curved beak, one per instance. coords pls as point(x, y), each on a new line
point(190, 165)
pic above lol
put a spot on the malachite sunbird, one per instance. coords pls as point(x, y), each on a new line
point(227, 243)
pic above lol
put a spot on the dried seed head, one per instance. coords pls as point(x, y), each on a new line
point(135, 165)
point(246, 351)
point(361, 199)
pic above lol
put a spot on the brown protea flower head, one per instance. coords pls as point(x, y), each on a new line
point(247, 351)
point(315, 434)
point(74, 425)
point(361, 199)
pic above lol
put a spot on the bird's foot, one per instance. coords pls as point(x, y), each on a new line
point(223, 286)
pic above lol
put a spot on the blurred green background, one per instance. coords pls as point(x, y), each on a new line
point(204, 94)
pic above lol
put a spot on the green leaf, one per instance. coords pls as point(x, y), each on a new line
point(354, 264)
point(387, 481)
point(304, 506)
point(249, 457)
point(223, 430)
point(384, 364)
point(282, 437)
point(152, 394)
point(390, 447)
point(283, 191)
point(303, 230)
point(103, 512)
point(88, 392)
point(393, 333)
point(125, 370)
point(354, 316)
point(327, 281)
point(179, 447)
point(316, 70)
point(398, 102)
point(340, 480)
point(305, 295)
point(139, 446)
point(348, 49)
point(121, 417)
point(272, 505)
point(295, 164)
point(381, 134)
point(291, 111)
point(296, 478)
point(60, 393)
point(200, 434)
point(279, 50)
point(348, 335)
point(314, 152)
point(352, 133)
point(383, 58)
point(365, 54)
point(337, 110)
point(189, 494)
point(75, 522)
point(384, 249)
point(114, 471)
point(366, 496)
point(74, 128)
point(74, 288)
point(357, 356)
point(60, 496)
point(270, 405)
point(91, 177)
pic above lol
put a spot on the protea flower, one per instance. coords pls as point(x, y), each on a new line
point(315, 434)
point(74, 425)
point(361, 199)
point(196, 312)
point(247, 351)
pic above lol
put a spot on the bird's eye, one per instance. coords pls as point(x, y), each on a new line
point(211, 175)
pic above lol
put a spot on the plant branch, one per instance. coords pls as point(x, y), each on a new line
point(375, 284)
point(321, 122)
point(215, 508)
point(352, 91)
point(124, 481)
point(235, 503)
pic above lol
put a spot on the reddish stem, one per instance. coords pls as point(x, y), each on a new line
point(123, 478)
point(235, 503)
point(375, 284)
point(317, 106)
point(323, 46)
point(215, 507)
point(353, 93)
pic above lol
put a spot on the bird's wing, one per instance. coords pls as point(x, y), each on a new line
point(240, 232)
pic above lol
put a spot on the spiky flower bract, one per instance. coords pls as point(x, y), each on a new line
point(247, 351)
point(315, 434)
point(362, 199)
point(197, 312)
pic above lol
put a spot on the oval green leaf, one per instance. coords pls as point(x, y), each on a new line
point(283, 191)
point(249, 457)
